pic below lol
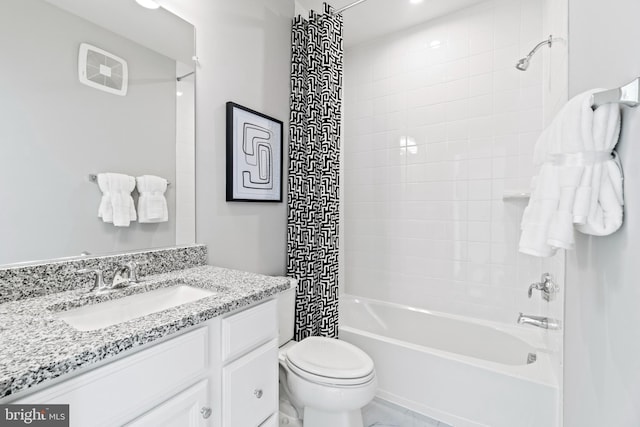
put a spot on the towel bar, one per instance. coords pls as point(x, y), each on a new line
point(94, 178)
point(628, 94)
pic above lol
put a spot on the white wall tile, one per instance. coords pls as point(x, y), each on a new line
point(433, 138)
point(480, 169)
point(457, 130)
point(481, 41)
point(479, 231)
point(457, 69)
point(481, 63)
point(480, 84)
point(503, 58)
point(480, 189)
point(480, 148)
point(481, 106)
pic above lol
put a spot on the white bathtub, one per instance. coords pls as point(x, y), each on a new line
point(464, 372)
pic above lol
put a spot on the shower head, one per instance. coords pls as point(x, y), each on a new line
point(523, 63)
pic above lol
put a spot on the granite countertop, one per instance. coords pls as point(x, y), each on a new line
point(37, 346)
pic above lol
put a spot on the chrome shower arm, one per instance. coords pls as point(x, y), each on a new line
point(549, 42)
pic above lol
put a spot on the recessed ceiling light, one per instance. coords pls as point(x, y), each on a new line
point(150, 4)
point(415, 1)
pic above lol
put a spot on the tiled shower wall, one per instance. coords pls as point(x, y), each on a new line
point(438, 125)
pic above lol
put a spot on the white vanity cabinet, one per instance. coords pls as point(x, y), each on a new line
point(223, 373)
point(250, 366)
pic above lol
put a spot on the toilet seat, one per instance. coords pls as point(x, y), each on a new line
point(330, 381)
point(330, 361)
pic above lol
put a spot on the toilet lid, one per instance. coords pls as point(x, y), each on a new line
point(330, 359)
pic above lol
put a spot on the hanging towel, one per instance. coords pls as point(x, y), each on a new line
point(152, 205)
point(116, 205)
point(579, 184)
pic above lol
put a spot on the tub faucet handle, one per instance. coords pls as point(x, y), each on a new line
point(547, 285)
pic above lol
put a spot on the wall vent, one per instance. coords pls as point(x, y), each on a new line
point(102, 70)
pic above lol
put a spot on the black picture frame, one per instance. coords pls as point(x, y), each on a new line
point(254, 169)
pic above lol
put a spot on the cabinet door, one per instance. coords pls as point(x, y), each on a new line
point(118, 392)
point(191, 408)
point(250, 387)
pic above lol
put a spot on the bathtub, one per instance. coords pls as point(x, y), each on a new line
point(461, 371)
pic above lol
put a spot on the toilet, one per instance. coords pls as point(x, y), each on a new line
point(323, 381)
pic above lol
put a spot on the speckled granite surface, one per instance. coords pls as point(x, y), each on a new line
point(43, 278)
point(37, 346)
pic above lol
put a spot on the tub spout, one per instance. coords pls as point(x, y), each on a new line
point(539, 321)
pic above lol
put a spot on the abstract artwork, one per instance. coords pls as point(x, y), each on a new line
point(254, 156)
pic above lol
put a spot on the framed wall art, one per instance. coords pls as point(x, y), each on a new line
point(254, 156)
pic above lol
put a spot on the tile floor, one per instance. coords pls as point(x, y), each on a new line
point(381, 413)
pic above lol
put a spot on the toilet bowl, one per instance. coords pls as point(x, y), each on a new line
point(327, 381)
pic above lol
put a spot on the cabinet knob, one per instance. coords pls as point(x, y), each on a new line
point(206, 412)
point(258, 393)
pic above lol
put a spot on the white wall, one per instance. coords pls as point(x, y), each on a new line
point(244, 49)
point(433, 137)
point(602, 332)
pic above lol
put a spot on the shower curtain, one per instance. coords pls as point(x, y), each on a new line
point(312, 230)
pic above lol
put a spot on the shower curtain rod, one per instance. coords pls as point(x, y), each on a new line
point(349, 6)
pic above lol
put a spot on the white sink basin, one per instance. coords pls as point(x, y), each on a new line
point(98, 316)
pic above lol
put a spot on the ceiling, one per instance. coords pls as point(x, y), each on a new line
point(374, 18)
point(158, 30)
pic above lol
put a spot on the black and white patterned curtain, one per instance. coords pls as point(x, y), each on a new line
point(312, 232)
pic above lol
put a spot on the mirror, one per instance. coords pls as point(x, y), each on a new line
point(56, 131)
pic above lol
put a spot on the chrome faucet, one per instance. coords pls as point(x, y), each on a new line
point(539, 321)
point(124, 275)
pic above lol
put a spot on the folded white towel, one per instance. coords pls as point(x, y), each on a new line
point(579, 182)
point(152, 205)
point(116, 205)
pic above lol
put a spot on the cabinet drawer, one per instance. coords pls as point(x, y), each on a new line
point(186, 409)
point(248, 329)
point(120, 391)
point(250, 387)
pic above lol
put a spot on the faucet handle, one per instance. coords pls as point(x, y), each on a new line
point(134, 271)
point(537, 285)
point(547, 285)
point(98, 282)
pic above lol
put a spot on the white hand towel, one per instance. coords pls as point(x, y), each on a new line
point(152, 205)
point(579, 183)
point(116, 205)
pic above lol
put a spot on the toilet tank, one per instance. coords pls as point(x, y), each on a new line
point(286, 313)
